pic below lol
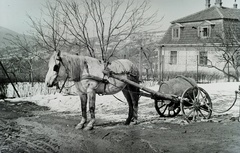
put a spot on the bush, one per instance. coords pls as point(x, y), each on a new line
point(200, 77)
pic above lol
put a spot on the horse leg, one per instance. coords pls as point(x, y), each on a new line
point(91, 97)
point(134, 93)
point(130, 105)
point(83, 98)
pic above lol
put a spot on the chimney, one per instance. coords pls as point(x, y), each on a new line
point(218, 3)
point(235, 4)
point(207, 4)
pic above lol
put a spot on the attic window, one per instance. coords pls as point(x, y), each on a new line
point(204, 29)
point(176, 33)
point(205, 32)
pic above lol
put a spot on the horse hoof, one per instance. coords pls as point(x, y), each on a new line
point(88, 128)
point(134, 122)
point(127, 123)
point(79, 126)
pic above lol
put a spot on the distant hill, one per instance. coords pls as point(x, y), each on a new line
point(5, 33)
point(8, 34)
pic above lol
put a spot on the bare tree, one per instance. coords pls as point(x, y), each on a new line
point(24, 53)
point(149, 44)
point(91, 24)
point(48, 32)
point(227, 50)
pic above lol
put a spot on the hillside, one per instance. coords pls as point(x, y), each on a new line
point(5, 33)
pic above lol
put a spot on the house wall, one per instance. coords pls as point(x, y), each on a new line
point(187, 59)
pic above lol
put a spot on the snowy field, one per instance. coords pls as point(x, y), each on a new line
point(111, 109)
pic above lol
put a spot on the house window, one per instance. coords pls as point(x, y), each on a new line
point(203, 58)
point(173, 57)
point(204, 32)
point(175, 33)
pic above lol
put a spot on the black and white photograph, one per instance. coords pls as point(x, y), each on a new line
point(119, 76)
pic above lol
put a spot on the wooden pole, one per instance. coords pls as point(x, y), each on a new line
point(197, 68)
point(228, 73)
point(160, 64)
point(9, 79)
point(140, 64)
point(162, 73)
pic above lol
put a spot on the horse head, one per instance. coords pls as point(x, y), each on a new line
point(53, 69)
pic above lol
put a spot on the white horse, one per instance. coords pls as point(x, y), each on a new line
point(88, 77)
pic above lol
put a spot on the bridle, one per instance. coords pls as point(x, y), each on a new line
point(57, 66)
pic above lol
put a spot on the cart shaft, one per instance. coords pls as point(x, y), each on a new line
point(152, 94)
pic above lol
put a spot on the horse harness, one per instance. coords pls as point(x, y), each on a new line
point(89, 76)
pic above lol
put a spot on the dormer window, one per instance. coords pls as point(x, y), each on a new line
point(204, 29)
point(176, 33)
point(205, 32)
point(176, 30)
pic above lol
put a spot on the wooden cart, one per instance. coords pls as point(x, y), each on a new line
point(194, 102)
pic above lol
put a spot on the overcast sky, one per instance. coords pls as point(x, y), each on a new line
point(13, 13)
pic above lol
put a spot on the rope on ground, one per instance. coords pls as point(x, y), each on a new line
point(224, 111)
point(234, 102)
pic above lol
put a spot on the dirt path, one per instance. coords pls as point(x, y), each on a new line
point(26, 127)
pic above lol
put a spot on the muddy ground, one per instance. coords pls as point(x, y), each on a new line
point(28, 128)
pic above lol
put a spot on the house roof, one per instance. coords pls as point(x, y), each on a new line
point(230, 17)
point(211, 13)
point(188, 35)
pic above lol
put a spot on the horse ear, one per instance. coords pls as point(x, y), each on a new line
point(58, 53)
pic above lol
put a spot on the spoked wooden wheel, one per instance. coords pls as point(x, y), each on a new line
point(167, 108)
point(196, 104)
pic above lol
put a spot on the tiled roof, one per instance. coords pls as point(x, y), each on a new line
point(189, 35)
point(229, 17)
point(211, 13)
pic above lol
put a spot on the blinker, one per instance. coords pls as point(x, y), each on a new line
point(56, 68)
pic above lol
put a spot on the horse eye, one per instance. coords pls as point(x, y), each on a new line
point(56, 68)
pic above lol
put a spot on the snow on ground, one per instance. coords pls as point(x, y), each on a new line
point(223, 96)
point(111, 109)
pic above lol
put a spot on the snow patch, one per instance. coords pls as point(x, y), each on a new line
point(111, 109)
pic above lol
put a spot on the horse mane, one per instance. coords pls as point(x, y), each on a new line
point(81, 65)
point(73, 64)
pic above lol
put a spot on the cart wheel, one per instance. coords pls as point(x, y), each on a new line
point(196, 104)
point(167, 108)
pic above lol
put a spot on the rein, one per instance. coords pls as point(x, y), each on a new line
point(67, 71)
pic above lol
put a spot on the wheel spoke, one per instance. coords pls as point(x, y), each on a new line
point(162, 106)
point(204, 109)
point(191, 111)
point(190, 98)
point(204, 117)
point(165, 109)
point(190, 107)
